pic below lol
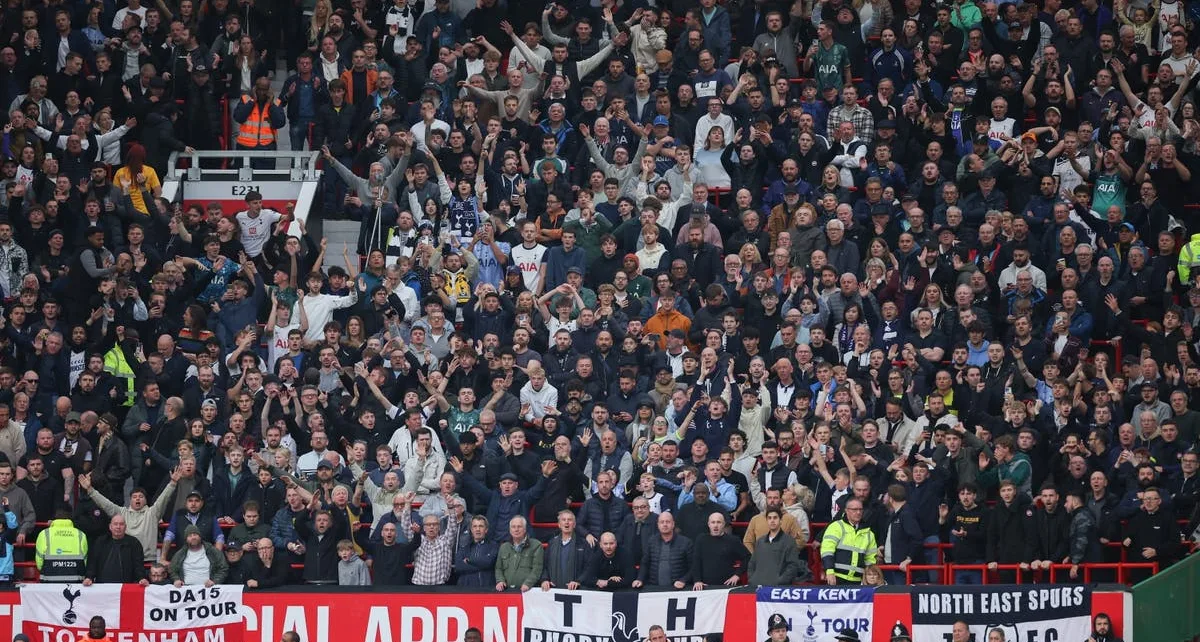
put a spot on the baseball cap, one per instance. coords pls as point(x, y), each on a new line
point(509, 477)
point(661, 121)
point(73, 416)
point(324, 463)
point(886, 124)
point(575, 270)
point(196, 494)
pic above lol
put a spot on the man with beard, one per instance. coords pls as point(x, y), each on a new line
point(1048, 542)
point(967, 530)
point(1133, 501)
point(1102, 629)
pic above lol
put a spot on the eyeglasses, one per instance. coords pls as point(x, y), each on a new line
point(32, 380)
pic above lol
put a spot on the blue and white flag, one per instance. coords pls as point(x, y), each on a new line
point(816, 614)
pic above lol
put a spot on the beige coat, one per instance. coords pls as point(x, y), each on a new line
point(12, 442)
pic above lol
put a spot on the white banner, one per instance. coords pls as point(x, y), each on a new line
point(815, 614)
point(1023, 613)
point(594, 616)
point(55, 612)
point(191, 607)
point(70, 605)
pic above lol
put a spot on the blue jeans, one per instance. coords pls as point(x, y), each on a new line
point(969, 577)
point(298, 134)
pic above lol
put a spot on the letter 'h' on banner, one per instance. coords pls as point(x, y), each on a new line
point(133, 613)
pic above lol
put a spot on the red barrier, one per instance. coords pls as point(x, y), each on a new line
point(337, 615)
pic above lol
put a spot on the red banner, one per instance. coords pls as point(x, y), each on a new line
point(338, 616)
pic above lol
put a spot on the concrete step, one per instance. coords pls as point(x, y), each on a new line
point(339, 232)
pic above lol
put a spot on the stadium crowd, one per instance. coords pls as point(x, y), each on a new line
point(631, 277)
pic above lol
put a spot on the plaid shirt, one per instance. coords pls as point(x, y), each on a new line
point(864, 122)
point(435, 557)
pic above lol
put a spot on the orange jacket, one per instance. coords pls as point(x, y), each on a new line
point(661, 323)
point(347, 77)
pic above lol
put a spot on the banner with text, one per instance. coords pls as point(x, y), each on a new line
point(62, 612)
point(1022, 613)
point(815, 614)
point(593, 616)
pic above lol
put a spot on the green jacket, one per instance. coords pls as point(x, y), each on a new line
point(1018, 470)
point(588, 238)
point(520, 568)
point(218, 568)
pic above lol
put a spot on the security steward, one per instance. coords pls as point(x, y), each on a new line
point(61, 550)
point(848, 547)
point(777, 628)
point(259, 119)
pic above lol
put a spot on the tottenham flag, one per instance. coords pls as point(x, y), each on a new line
point(56, 612)
point(594, 616)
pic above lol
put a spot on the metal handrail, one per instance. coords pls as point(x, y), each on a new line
point(302, 162)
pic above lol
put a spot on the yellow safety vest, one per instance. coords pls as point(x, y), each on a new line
point(1189, 257)
point(61, 552)
point(115, 364)
point(847, 551)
